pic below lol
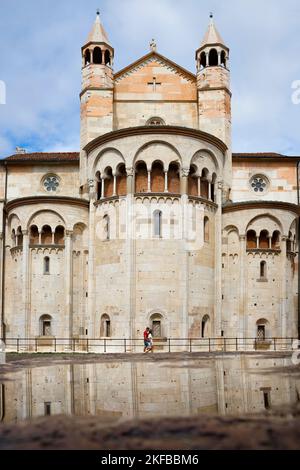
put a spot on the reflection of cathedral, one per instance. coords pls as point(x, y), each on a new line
point(123, 390)
point(155, 222)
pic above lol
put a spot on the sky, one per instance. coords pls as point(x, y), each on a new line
point(40, 50)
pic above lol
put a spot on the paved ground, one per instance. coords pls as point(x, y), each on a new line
point(277, 430)
point(203, 432)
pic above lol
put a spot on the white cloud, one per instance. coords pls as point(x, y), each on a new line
point(40, 62)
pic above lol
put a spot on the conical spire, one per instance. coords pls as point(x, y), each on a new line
point(212, 36)
point(98, 33)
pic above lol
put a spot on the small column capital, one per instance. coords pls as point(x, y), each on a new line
point(69, 233)
point(91, 184)
point(185, 172)
point(24, 233)
point(130, 171)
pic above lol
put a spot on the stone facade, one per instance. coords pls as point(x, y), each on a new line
point(155, 222)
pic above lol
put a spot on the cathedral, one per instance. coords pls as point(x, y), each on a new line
point(155, 222)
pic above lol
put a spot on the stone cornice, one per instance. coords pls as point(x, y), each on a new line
point(239, 206)
point(94, 88)
point(25, 201)
point(215, 88)
point(163, 130)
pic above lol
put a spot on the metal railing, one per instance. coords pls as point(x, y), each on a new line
point(129, 345)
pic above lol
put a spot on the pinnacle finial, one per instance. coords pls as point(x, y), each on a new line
point(153, 45)
point(98, 12)
point(211, 15)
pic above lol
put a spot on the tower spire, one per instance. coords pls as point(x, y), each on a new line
point(98, 33)
point(212, 35)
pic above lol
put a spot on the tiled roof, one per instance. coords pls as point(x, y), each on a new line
point(212, 36)
point(45, 156)
point(262, 155)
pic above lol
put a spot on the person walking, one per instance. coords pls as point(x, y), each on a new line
point(150, 342)
point(146, 341)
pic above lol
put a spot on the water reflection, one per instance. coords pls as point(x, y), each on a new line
point(123, 390)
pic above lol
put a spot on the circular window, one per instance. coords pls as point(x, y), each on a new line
point(259, 183)
point(51, 183)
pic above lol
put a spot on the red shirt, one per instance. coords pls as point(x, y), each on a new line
point(146, 334)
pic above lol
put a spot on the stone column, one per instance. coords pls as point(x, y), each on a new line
point(129, 181)
point(53, 238)
point(115, 184)
point(283, 293)
point(219, 57)
point(270, 243)
point(184, 180)
point(102, 188)
point(149, 181)
point(166, 181)
point(2, 248)
point(90, 321)
point(257, 242)
point(40, 237)
point(199, 186)
point(207, 59)
point(243, 288)
point(25, 275)
point(218, 261)
point(209, 189)
point(69, 284)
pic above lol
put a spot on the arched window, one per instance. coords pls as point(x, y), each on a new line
point(205, 327)
point(13, 236)
point(275, 240)
point(97, 55)
point(204, 184)
point(108, 182)
point(106, 227)
point(174, 178)
point(46, 325)
point(157, 223)
point(87, 57)
point(264, 240)
point(156, 325)
point(206, 229)
point(213, 57)
point(121, 180)
point(155, 121)
point(289, 243)
point(157, 178)
point(59, 236)
point(141, 178)
point(251, 240)
point(99, 185)
point(261, 329)
point(46, 265)
point(223, 58)
point(193, 181)
point(263, 270)
point(46, 235)
point(212, 187)
point(19, 237)
point(105, 326)
point(107, 57)
point(203, 60)
point(34, 235)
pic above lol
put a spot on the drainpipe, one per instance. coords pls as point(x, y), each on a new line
point(3, 256)
point(298, 202)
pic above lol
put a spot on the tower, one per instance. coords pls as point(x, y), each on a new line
point(96, 97)
point(213, 83)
